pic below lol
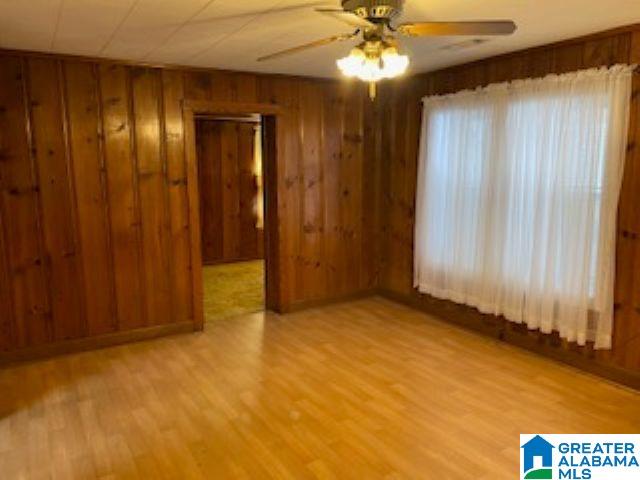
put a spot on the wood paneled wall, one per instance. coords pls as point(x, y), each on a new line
point(400, 104)
point(228, 191)
point(94, 217)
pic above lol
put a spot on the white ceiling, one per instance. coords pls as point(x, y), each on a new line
point(231, 34)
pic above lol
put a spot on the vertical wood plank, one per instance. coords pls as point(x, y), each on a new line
point(19, 203)
point(7, 320)
point(606, 51)
point(273, 293)
point(123, 209)
point(285, 92)
point(407, 200)
point(204, 182)
point(151, 174)
point(387, 153)
point(333, 125)
point(221, 86)
point(351, 170)
point(244, 88)
point(539, 64)
point(197, 85)
point(58, 208)
point(230, 190)
point(210, 174)
point(568, 58)
point(312, 269)
point(278, 183)
point(371, 207)
point(191, 158)
point(180, 276)
point(88, 176)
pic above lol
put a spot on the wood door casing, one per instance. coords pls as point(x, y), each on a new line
point(228, 191)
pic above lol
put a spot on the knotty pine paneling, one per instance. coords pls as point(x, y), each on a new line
point(176, 178)
point(30, 319)
point(312, 271)
point(322, 236)
point(94, 213)
point(229, 174)
point(84, 137)
point(228, 191)
point(58, 213)
point(122, 197)
point(302, 181)
point(152, 190)
point(210, 176)
point(401, 104)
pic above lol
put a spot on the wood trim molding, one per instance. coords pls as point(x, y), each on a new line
point(93, 343)
point(307, 304)
point(274, 294)
point(470, 319)
point(193, 201)
point(207, 107)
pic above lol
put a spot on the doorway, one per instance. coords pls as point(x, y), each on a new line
point(270, 116)
point(230, 181)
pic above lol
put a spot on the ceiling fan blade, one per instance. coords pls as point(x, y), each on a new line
point(428, 29)
point(317, 43)
point(346, 17)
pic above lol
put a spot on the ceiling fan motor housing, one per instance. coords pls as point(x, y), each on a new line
point(373, 10)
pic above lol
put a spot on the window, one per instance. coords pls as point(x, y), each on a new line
point(517, 196)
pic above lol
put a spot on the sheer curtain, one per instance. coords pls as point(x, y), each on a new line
point(518, 186)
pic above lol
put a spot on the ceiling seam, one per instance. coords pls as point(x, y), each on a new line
point(228, 35)
point(57, 25)
point(119, 26)
point(177, 29)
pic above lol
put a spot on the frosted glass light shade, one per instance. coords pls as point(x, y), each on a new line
point(371, 69)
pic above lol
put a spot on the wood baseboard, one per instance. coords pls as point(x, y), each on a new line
point(492, 326)
point(94, 343)
point(307, 304)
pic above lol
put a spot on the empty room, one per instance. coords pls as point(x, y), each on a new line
point(298, 239)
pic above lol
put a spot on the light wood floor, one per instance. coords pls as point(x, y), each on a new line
point(363, 390)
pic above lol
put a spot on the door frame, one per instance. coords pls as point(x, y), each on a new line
point(270, 113)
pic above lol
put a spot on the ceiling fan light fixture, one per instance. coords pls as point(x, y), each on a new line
point(351, 65)
point(394, 64)
point(377, 57)
point(372, 67)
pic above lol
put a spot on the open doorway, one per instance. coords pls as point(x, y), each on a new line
point(231, 197)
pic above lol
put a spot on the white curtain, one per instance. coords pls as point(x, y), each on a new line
point(518, 186)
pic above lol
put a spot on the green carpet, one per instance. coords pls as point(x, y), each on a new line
point(233, 289)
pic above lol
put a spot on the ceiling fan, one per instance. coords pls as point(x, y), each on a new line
point(377, 56)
